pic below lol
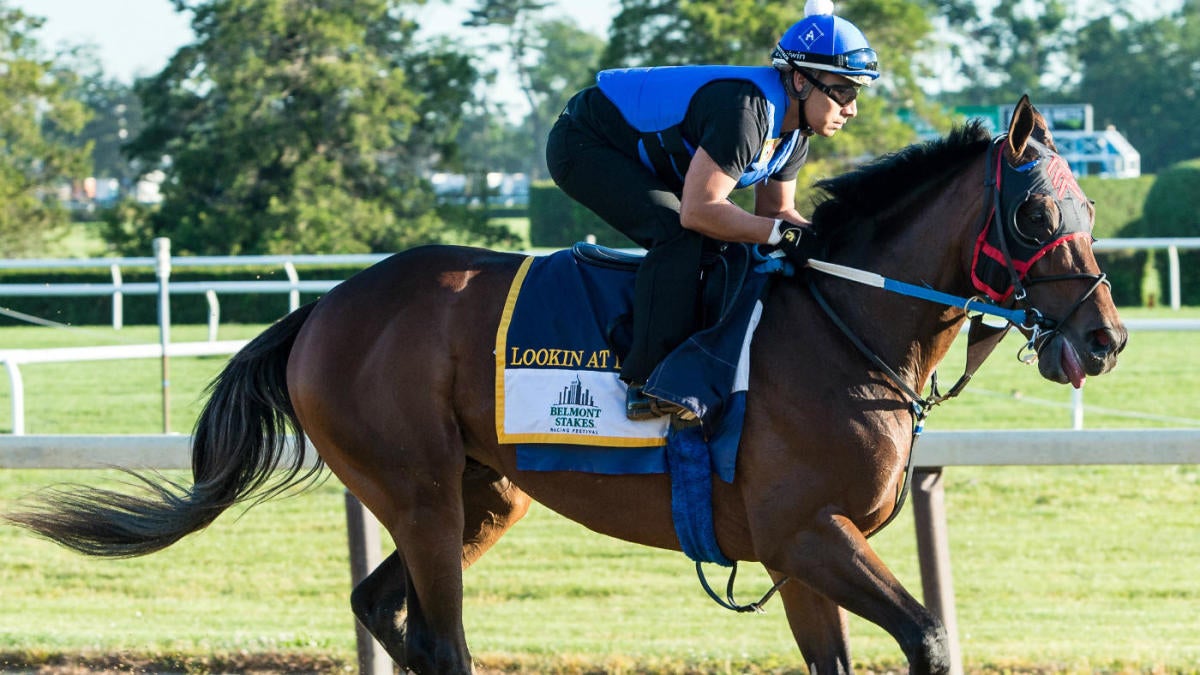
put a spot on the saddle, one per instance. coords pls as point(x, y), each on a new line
point(695, 453)
point(566, 327)
point(722, 273)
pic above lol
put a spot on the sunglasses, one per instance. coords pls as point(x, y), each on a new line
point(841, 94)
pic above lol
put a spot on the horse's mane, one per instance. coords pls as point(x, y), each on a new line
point(858, 205)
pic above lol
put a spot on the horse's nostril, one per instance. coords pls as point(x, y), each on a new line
point(1105, 341)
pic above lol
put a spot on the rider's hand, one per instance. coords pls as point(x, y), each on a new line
point(797, 242)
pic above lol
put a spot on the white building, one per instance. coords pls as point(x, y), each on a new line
point(1089, 152)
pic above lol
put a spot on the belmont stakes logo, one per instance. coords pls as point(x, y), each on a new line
point(576, 411)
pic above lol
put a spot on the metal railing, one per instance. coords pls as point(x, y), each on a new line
point(294, 285)
point(117, 288)
point(13, 359)
point(1172, 245)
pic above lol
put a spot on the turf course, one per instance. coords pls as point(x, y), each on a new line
point(1074, 569)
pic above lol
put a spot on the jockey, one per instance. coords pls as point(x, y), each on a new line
point(656, 152)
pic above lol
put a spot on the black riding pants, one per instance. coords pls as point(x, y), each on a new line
point(623, 192)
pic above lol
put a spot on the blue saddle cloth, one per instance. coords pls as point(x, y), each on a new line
point(554, 333)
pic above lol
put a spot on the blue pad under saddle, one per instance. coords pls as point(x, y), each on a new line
point(560, 400)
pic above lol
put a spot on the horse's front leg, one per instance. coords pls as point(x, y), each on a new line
point(832, 556)
point(819, 626)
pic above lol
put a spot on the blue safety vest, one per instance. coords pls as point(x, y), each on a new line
point(654, 101)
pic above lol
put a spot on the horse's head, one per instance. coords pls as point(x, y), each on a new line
point(1035, 252)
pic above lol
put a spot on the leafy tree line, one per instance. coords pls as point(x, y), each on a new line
point(1138, 73)
point(299, 126)
point(311, 126)
point(37, 119)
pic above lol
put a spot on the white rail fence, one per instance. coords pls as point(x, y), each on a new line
point(117, 289)
point(1172, 245)
point(294, 285)
point(13, 359)
point(935, 451)
point(163, 262)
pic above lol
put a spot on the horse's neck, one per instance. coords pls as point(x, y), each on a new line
point(910, 335)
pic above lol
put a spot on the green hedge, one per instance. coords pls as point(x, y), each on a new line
point(557, 221)
point(1173, 210)
point(1137, 207)
point(1166, 205)
point(1119, 203)
point(143, 309)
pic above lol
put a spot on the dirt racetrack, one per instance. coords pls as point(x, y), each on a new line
point(279, 663)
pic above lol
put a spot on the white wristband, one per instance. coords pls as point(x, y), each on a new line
point(776, 236)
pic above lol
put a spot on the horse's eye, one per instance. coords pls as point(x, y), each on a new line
point(1037, 219)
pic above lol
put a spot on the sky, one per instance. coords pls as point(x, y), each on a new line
point(136, 37)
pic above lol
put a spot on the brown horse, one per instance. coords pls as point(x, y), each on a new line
point(391, 376)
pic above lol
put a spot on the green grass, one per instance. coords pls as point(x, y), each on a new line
point(1149, 387)
point(1074, 569)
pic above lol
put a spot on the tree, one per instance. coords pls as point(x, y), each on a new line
point(37, 120)
point(115, 119)
point(669, 32)
point(300, 126)
point(567, 63)
point(743, 32)
point(1008, 51)
point(1141, 77)
point(552, 58)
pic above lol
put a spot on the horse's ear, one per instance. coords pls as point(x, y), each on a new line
point(1020, 129)
point(1041, 131)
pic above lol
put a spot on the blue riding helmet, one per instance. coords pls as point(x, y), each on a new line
point(822, 41)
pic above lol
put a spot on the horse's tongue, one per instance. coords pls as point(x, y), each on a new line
point(1071, 366)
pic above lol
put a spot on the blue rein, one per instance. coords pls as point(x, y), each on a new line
point(1020, 317)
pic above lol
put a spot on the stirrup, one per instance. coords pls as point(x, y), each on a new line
point(641, 406)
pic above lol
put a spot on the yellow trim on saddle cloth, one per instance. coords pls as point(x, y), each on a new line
point(650, 433)
point(510, 303)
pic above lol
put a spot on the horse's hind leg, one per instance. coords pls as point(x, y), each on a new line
point(491, 505)
point(819, 626)
point(379, 603)
point(426, 523)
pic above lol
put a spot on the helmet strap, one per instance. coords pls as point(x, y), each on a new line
point(800, 96)
point(805, 128)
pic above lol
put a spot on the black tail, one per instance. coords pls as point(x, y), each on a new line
point(238, 443)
